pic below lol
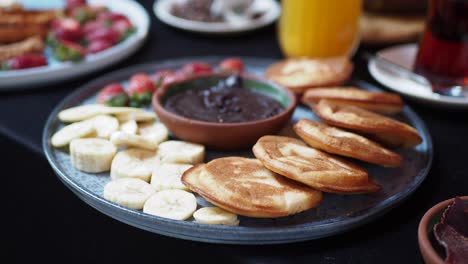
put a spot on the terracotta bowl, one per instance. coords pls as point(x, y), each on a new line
point(430, 218)
point(224, 136)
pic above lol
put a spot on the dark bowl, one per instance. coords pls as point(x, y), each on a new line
point(224, 136)
point(430, 218)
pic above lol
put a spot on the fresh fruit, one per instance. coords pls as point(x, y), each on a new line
point(69, 51)
point(196, 68)
point(98, 46)
point(91, 26)
point(24, 61)
point(104, 125)
point(163, 77)
point(75, 3)
point(113, 94)
point(70, 132)
point(140, 116)
point(129, 126)
point(124, 27)
point(232, 65)
point(156, 132)
point(167, 176)
point(111, 16)
point(173, 204)
point(140, 90)
point(92, 155)
point(174, 151)
point(133, 163)
point(215, 216)
point(131, 193)
point(124, 139)
point(103, 33)
point(67, 29)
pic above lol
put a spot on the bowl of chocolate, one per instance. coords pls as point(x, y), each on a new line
point(223, 111)
point(443, 232)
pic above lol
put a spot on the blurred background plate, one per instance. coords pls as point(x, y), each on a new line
point(162, 9)
point(57, 71)
point(336, 214)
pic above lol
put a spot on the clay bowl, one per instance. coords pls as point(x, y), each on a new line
point(426, 244)
point(223, 136)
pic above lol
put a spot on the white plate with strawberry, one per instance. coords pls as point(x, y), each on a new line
point(88, 36)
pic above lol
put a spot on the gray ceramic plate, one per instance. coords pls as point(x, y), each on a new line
point(336, 214)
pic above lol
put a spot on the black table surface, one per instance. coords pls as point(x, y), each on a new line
point(47, 222)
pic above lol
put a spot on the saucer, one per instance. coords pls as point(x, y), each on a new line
point(405, 55)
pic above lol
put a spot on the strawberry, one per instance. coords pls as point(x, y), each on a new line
point(98, 46)
point(163, 77)
point(140, 89)
point(24, 61)
point(67, 29)
point(69, 51)
point(75, 3)
point(107, 34)
point(231, 65)
point(113, 95)
point(124, 27)
point(196, 68)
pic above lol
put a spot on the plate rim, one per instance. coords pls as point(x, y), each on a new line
point(159, 10)
point(295, 233)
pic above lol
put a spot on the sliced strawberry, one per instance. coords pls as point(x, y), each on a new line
point(67, 29)
point(196, 68)
point(24, 61)
point(112, 16)
point(69, 51)
point(113, 95)
point(232, 65)
point(92, 26)
point(108, 34)
point(140, 89)
point(98, 46)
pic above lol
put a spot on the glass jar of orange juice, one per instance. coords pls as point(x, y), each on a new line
point(319, 28)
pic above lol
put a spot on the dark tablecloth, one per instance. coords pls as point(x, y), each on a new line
point(46, 222)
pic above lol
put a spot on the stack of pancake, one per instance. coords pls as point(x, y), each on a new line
point(289, 175)
point(22, 31)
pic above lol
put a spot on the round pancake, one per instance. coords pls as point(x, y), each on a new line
point(388, 131)
point(303, 73)
point(292, 158)
point(340, 142)
point(245, 187)
point(380, 102)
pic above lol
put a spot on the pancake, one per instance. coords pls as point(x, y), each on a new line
point(18, 24)
point(386, 130)
point(340, 142)
point(380, 102)
point(292, 158)
point(300, 74)
point(245, 187)
point(29, 45)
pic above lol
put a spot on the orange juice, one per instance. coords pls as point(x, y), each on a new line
point(319, 28)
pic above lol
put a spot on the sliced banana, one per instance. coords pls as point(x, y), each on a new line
point(129, 126)
point(173, 204)
point(140, 116)
point(124, 139)
point(155, 132)
point(215, 216)
point(80, 113)
point(104, 125)
point(73, 131)
point(174, 151)
point(167, 176)
point(117, 110)
point(131, 193)
point(92, 154)
point(133, 163)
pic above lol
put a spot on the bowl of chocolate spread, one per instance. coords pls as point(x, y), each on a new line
point(223, 111)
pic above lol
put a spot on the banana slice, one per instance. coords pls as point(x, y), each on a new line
point(155, 132)
point(73, 131)
point(133, 163)
point(167, 176)
point(131, 193)
point(215, 216)
point(129, 126)
point(173, 204)
point(92, 154)
point(120, 139)
point(80, 113)
point(116, 110)
point(136, 115)
point(174, 151)
point(104, 125)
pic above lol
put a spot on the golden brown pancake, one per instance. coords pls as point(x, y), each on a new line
point(245, 187)
point(292, 158)
point(300, 74)
point(380, 102)
point(18, 24)
point(340, 142)
point(386, 130)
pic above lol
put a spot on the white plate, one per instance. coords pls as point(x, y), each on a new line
point(162, 8)
point(405, 55)
point(40, 76)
